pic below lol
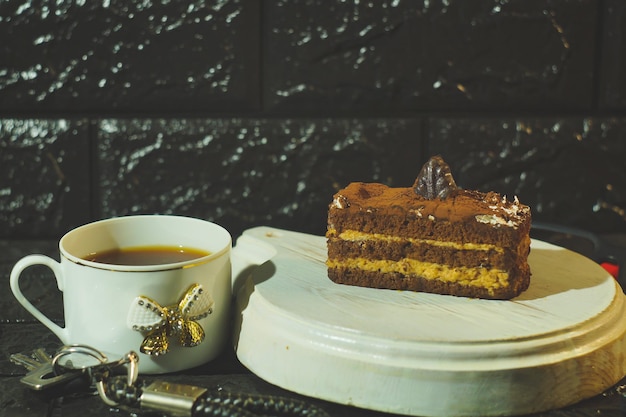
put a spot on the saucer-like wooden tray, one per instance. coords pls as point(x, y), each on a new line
point(561, 341)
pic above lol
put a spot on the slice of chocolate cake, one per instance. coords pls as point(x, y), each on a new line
point(433, 237)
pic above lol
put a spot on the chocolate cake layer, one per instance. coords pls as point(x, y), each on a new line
point(398, 281)
point(492, 257)
point(376, 208)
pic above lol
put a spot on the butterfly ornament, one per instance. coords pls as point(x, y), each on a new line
point(160, 324)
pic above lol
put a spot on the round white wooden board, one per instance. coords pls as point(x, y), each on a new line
point(561, 341)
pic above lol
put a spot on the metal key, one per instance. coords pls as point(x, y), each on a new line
point(41, 373)
point(26, 361)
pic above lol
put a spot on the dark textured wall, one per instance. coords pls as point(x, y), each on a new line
point(254, 112)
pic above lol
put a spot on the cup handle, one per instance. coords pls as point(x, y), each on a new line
point(16, 272)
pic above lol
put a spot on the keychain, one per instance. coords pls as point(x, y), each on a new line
point(118, 385)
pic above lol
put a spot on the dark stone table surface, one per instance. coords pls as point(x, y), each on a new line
point(19, 332)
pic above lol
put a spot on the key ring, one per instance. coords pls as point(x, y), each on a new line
point(98, 372)
point(82, 350)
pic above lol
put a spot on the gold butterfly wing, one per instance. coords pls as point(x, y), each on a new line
point(155, 343)
point(192, 334)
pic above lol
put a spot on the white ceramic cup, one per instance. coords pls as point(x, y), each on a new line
point(116, 308)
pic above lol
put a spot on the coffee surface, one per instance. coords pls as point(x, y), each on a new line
point(146, 255)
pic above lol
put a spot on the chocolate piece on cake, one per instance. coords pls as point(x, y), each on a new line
point(432, 237)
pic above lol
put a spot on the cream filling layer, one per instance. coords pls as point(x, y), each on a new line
point(357, 236)
point(473, 277)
